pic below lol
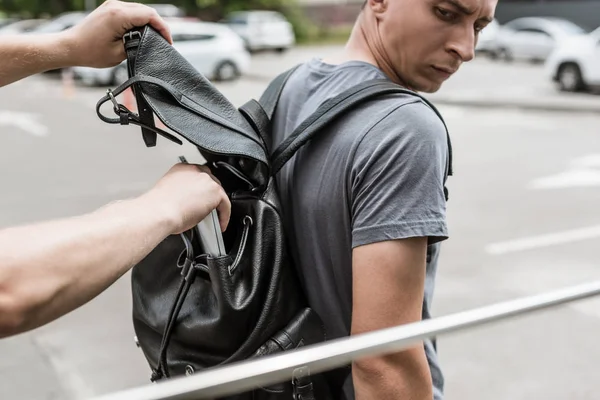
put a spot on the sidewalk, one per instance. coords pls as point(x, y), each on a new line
point(546, 98)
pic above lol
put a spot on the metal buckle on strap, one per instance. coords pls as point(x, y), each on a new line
point(302, 384)
point(116, 105)
point(130, 35)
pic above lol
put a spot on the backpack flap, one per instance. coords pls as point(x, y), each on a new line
point(187, 103)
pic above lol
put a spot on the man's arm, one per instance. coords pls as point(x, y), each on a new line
point(388, 283)
point(94, 42)
point(49, 269)
point(24, 55)
point(398, 208)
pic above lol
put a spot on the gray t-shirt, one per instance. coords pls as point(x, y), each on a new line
point(377, 174)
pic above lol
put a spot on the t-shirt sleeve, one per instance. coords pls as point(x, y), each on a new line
point(397, 178)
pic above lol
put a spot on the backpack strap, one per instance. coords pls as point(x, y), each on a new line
point(337, 106)
point(131, 41)
point(270, 96)
point(260, 113)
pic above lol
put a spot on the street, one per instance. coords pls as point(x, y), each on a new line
point(523, 217)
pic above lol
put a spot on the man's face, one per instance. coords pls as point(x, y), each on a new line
point(425, 41)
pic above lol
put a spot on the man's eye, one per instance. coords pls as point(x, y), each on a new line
point(446, 15)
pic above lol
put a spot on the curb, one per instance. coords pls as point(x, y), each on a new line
point(565, 107)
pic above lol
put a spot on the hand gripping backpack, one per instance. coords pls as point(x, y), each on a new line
point(192, 311)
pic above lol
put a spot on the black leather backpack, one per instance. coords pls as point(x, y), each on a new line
point(190, 310)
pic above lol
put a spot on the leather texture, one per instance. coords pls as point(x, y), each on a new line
point(192, 311)
point(204, 312)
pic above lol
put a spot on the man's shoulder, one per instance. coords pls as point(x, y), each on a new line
point(405, 115)
point(409, 131)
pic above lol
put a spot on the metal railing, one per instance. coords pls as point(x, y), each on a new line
point(247, 375)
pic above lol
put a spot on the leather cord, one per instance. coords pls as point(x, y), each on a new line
point(188, 271)
point(126, 116)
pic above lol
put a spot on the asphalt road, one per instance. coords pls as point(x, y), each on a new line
point(518, 175)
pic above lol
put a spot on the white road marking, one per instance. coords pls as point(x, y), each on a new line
point(589, 161)
point(590, 307)
point(26, 122)
point(545, 275)
point(583, 172)
point(536, 242)
point(71, 380)
point(584, 177)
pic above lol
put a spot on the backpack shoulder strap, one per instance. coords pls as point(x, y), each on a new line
point(337, 106)
point(334, 108)
point(260, 113)
point(270, 96)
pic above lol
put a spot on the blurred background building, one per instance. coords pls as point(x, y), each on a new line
point(585, 13)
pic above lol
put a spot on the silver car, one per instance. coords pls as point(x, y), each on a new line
point(262, 30)
point(533, 38)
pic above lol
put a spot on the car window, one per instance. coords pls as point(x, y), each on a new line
point(168, 10)
point(271, 17)
point(534, 30)
point(237, 19)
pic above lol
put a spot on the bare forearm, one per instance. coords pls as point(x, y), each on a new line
point(49, 269)
point(24, 55)
point(388, 281)
point(404, 375)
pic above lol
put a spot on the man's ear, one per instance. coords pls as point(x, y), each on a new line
point(377, 6)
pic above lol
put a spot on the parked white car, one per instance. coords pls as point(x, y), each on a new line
point(534, 38)
point(262, 30)
point(575, 64)
point(60, 23)
point(213, 49)
point(23, 26)
point(168, 10)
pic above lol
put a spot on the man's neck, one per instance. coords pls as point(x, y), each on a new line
point(356, 49)
point(361, 46)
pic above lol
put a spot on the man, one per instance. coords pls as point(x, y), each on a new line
point(49, 269)
point(365, 204)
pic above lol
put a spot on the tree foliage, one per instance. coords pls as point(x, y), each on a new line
point(207, 10)
point(215, 8)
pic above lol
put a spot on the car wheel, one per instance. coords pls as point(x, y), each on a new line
point(492, 55)
point(569, 78)
point(88, 80)
point(226, 71)
point(504, 55)
point(120, 75)
point(281, 50)
point(248, 48)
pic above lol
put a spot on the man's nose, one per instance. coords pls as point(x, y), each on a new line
point(463, 45)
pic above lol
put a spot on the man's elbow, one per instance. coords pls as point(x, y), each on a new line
point(401, 375)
